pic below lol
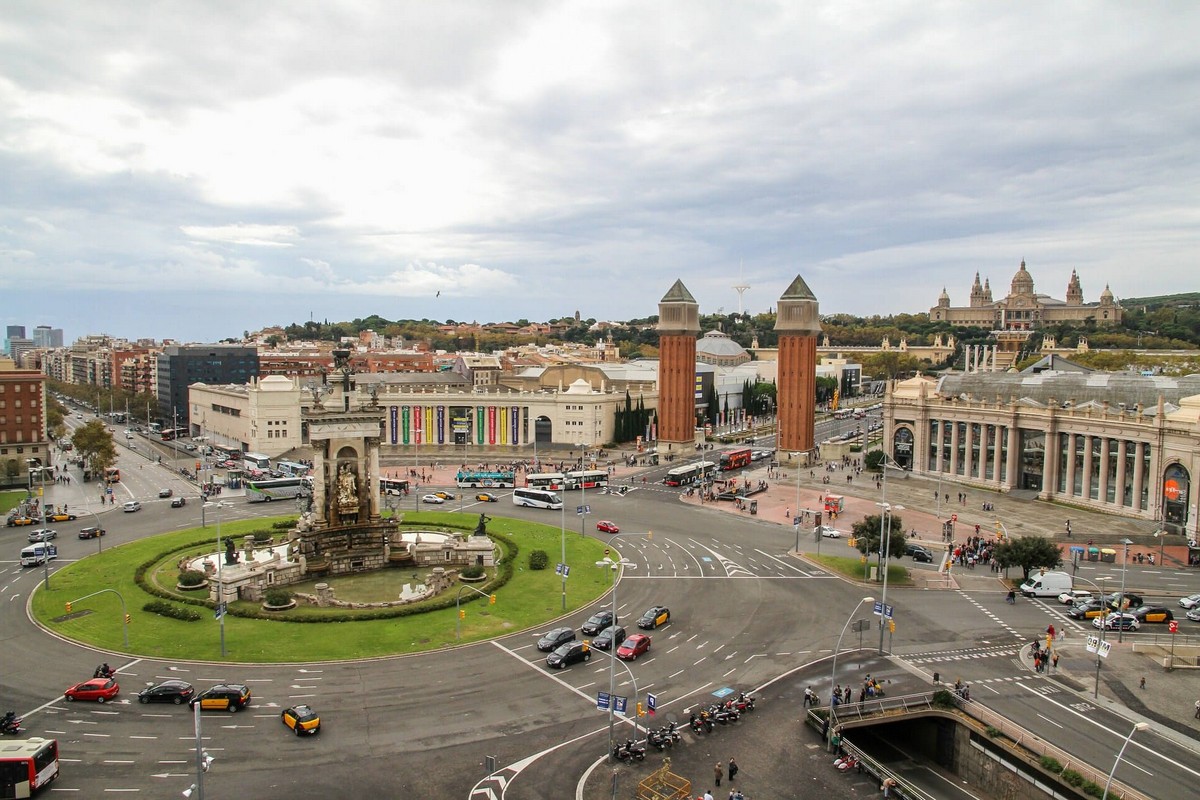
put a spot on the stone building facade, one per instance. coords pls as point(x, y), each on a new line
point(1024, 309)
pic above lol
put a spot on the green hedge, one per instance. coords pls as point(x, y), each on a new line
point(165, 609)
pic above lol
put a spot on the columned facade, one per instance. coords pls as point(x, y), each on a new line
point(798, 322)
point(678, 327)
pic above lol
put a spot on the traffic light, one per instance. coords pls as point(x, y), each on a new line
point(640, 713)
point(650, 535)
point(68, 607)
point(462, 613)
point(128, 619)
point(852, 542)
point(491, 600)
point(891, 626)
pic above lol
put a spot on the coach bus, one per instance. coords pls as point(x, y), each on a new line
point(252, 462)
point(293, 469)
point(689, 473)
point(264, 491)
point(27, 765)
point(536, 498)
point(475, 479)
point(171, 434)
point(545, 480)
point(393, 486)
point(736, 459)
point(586, 479)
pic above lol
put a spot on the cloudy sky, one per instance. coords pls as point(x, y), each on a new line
point(193, 170)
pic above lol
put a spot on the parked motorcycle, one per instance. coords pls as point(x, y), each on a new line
point(744, 702)
point(11, 724)
point(700, 724)
point(628, 751)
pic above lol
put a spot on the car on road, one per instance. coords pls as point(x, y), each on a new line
point(231, 697)
point(98, 689)
point(830, 532)
point(487, 497)
point(1193, 614)
point(604, 526)
point(178, 502)
point(302, 720)
point(131, 506)
point(1088, 609)
point(189, 447)
point(19, 519)
point(1153, 614)
point(759, 455)
point(554, 638)
point(1074, 597)
point(919, 553)
point(570, 653)
point(1191, 601)
point(598, 622)
point(1130, 601)
point(92, 532)
point(610, 637)
point(445, 495)
point(654, 616)
point(172, 691)
point(60, 516)
point(633, 647)
point(165, 492)
point(432, 499)
point(42, 535)
point(1117, 620)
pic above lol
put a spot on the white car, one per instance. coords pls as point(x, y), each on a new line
point(1191, 601)
point(132, 505)
point(830, 532)
point(432, 498)
point(1074, 596)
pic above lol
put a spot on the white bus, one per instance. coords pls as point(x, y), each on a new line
point(37, 554)
point(545, 480)
point(253, 462)
point(276, 489)
point(587, 479)
point(536, 498)
point(393, 486)
point(293, 469)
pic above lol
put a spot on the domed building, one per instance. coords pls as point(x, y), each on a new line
point(716, 348)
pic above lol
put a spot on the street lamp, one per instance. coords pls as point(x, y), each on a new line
point(885, 546)
point(220, 583)
point(1121, 599)
point(615, 567)
point(1140, 726)
point(833, 670)
point(29, 462)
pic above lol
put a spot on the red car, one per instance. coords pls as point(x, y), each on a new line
point(604, 526)
point(98, 689)
point(634, 646)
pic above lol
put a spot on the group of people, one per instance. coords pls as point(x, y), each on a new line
point(719, 771)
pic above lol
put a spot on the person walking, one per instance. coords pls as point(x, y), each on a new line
point(718, 772)
point(733, 770)
point(1197, 716)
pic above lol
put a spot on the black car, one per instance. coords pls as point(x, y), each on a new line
point(610, 637)
point(165, 492)
point(177, 692)
point(654, 616)
point(1131, 601)
point(597, 622)
point(556, 637)
point(569, 653)
point(91, 532)
point(223, 697)
point(178, 502)
point(919, 553)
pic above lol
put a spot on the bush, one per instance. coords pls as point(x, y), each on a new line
point(260, 537)
point(942, 698)
point(165, 609)
point(538, 559)
point(278, 597)
point(192, 577)
point(1051, 764)
point(284, 524)
point(1072, 777)
point(473, 571)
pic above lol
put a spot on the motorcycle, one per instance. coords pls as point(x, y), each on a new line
point(664, 737)
point(629, 751)
point(700, 724)
point(11, 724)
point(744, 702)
point(104, 671)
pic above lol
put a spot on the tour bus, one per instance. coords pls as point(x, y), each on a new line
point(586, 479)
point(276, 489)
point(843, 413)
point(256, 461)
point(393, 486)
point(27, 765)
point(689, 473)
point(736, 459)
point(37, 554)
point(536, 498)
point(171, 434)
point(475, 479)
point(293, 469)
point(545, 480)
point(112, 475)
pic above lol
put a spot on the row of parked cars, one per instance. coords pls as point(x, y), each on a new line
point(606, 634)
point(1127, 611)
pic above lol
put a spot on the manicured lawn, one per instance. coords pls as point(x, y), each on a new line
point(531, 600)
point(10, 500)
point(852, 568)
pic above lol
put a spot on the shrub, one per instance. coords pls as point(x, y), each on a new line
point(473, 571)
point(538, 559)
point(1051, 764)
point(1072, 777)
point(261, 537)
point(192, 577)
point(284, 524)
point(165, 609)
point(942, 698)
point(278, 597)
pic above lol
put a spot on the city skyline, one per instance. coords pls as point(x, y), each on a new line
point(195, 172)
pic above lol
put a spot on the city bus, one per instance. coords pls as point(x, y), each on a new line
point(393, 486)
point(112, 475)
point(689, 473)
point(276, 489)
point(536, 498)
point(586, 479)
point(256, 461)
point(475, 479)
point(27, 765)
point(843, 413)
point(545, 480)
point(736, 459)
point(293, 469)
point(171, 434)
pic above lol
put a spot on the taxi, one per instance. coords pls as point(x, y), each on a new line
point(60, 516)
point(1088, 609)
point(654, 616)
point(230, 697)
point(302, 720)
point(1153, 614)
point(21, 520)
point(487, 497)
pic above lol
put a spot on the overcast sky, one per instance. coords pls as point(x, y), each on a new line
point(193, 170)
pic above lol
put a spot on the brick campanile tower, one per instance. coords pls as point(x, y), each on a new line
point(678, 327)
point(797, 323)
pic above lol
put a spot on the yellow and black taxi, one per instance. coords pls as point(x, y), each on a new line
point(1088, 609)
point(444, 495)
point(231, 697)
point(486, 497)
point(1153, 614)
point(301, 719)
point(654, 616)
point(60, 516)
point(20, 519)
point(568, 654)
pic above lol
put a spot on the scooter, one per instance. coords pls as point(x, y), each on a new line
point(102, 672)
point(628, 751)
point(744, 702)
point(11, 724)
point(659, 740)
point(700, 724)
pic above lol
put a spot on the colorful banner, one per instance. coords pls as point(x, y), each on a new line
point(491, 425)
point(514, 425)
point(441, 424)
point(418, 424)
point(393, 413)
point(478, 424)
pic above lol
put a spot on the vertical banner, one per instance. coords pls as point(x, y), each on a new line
point(441, 424)
point(491, 425)
point(478, 424)
point(503, 425)
point(393, 415)
point(418, 424)
point(514, 425)
point(427, 424)
point(404, 430)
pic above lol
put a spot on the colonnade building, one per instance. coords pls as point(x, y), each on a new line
point(1120, 443)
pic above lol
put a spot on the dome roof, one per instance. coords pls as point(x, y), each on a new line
point(1022, 282)
point(716, 343)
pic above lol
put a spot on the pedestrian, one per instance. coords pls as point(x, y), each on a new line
point(1054, 663)
point(718, 772)
point(708, 795)
point(1198, 709)
point(1142, 683)
point(733, 770)
point(888, 785)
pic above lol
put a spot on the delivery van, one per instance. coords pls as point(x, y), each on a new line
point(1046, 584)
point(37, 554)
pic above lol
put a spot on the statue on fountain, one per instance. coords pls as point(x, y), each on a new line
point(347, 495)
point(231, 556)
point(481, 528)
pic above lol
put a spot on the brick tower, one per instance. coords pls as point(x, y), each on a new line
point(678, 327)
point(797, 323)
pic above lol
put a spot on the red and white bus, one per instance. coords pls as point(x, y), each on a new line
point(545, 480)
point(27, 765)
point(587, 479)
point(736, 459)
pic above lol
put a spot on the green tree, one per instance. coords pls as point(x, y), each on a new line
point(867, 533)
point(1028, 553)
point(95, 446)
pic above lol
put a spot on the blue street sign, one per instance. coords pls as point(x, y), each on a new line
point(722, 692)
point(878, 608)
point(558, 568)
point(566, 570)
point(887, 611)
point(619, 704)
point(579, 511)
point(219, 611)
point(602, 700)
point(651, 702)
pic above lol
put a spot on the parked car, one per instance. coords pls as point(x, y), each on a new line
point(1074, 596)
point(20, 519)
point(633, 647)
point(604, 526)
point(555, 638)
point(302, 720)
point(91, 532)
point(172, 691)
point(98, 689)
point(59, 516)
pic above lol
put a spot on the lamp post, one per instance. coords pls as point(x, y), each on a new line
point(1140, 726)
point(833, 670)
point(1121, 598)
point(563, 540)
point(615, 568)
point(885, 547)
point(42, 503)
point(1103, 630)
point(220, 584)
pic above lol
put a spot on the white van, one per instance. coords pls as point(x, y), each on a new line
point(1046, 584)
point(37, 554)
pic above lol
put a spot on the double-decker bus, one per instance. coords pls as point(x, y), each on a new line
point(536, 498)
point(171, 434)
point(393, 486)
point(736, 459)
point(475, 479)
point(545, 480)
point(689, 473)
point(586, 479)
point(27, 765)
point(293, 469)
point(252, 462)
point(276, 489)
point(112, 475)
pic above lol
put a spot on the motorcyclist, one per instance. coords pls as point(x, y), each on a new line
point(103, 671)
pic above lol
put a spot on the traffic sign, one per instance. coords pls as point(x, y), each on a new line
point(651, 702)
point(1173, 626)
point(583, 510)
point(558, 569)
point(219, 611)
point(887, 611)
point(566, 570)
point(878, 607)
point(620, 703)
point(602, 701)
